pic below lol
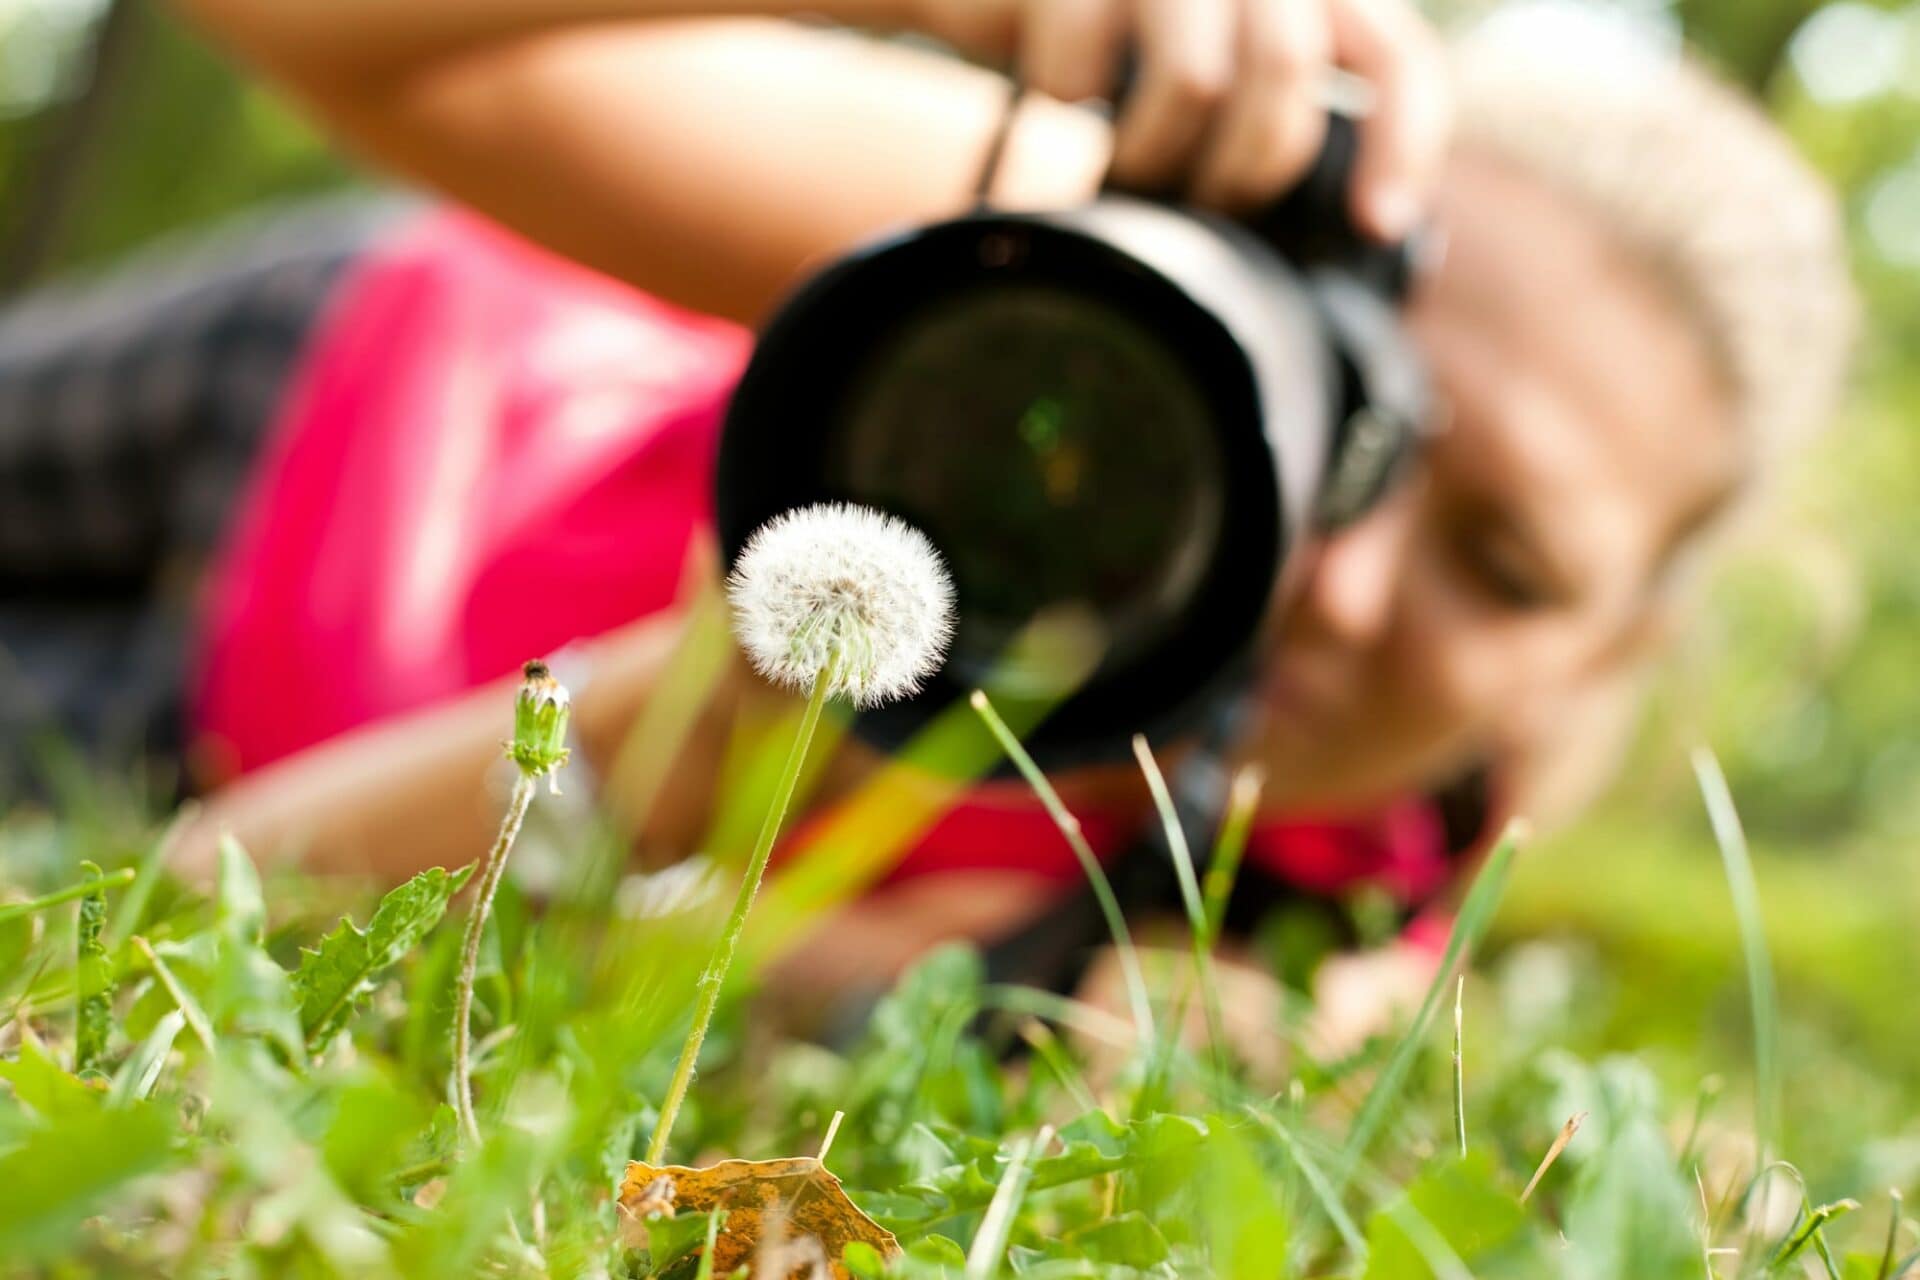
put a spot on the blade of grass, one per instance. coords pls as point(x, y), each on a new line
point(990, 1242)
point(705, 1269)
point(1243, 802)
point(133, 903)
point(1089, 864)
point(1483, 900)
point(1710, 1089)
point(1084, 1018)
point(1427, 1241)
point(1706, 1223)
point(1567, 1130)
point(112, 880)
point(189, 1008)
point(1812, 1225)
point(141, 1071)
point(1893, 1236)
point(1190, 899)
point(1745, 891)
point(1323, 1192)
point(1046, 1046)
point(1459, 1069)
point(653, 741)
point(826, 1142)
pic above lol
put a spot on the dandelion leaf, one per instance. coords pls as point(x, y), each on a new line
point(799, 1194)
point(40, 1084)
point(1127, 1239)
point(671, 1240)
point(67, 1171)
point(1456, 1205)
point(334, 976)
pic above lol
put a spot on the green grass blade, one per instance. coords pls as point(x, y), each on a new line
point(1459, 1069)
point(1190, 899)
point(135, 1079)
point(1476, 914)
point(1243, 803)
point(1745, 891)
point(133, 903)
point(996, 1225)
point(654, 741)
point(92, 884)
point(189, 1007)
point(1089, 864)
point(1323, 1193)
point(1893, 1236)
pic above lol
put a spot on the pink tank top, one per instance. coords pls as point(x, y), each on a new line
point(490, 452)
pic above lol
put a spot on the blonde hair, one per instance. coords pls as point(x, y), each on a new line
point(1699, 185)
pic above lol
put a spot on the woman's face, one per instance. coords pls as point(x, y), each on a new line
point(1584, 432)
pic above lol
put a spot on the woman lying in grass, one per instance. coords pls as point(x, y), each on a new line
point(393, 451)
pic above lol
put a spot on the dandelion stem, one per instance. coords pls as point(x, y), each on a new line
point(491, 872)
point(1089, 864)
point(715, 975)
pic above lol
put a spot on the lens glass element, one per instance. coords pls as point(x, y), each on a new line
point(1056, 452)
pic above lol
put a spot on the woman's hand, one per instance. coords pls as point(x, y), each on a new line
point(1229, 105)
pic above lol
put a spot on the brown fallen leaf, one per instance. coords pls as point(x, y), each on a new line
point(797, 1196)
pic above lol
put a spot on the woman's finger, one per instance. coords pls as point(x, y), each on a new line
point(1186, 50)
point(1272, 125)
point(1070, 49)
point(1403, 140)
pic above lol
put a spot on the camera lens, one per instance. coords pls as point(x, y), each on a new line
point(1056, 451)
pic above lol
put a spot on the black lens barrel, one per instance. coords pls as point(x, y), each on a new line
point(1227, 310)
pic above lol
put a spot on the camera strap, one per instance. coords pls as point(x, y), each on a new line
point(996, 152)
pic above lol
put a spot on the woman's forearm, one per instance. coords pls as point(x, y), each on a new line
point(416, 790)
point(708, 163)
point(346, 40)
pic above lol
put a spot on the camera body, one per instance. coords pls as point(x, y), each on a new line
point(1129, 414)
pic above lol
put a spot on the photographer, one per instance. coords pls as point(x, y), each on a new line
point(447, 450)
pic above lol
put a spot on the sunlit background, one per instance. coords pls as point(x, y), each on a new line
point(117, 127)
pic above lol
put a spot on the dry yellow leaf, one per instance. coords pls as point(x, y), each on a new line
point(795, 1197)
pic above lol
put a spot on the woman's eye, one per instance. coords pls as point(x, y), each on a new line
point(1499, 574)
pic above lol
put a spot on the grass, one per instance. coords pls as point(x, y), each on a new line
point(239, 1123)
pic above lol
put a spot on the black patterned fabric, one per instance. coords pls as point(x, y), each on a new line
point(131, 407)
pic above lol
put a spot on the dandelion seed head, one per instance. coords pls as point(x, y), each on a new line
point(841, 581)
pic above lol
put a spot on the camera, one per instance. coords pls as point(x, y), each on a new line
point(1130, 414)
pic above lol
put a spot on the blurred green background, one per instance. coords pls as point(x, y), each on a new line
point(1804, 673)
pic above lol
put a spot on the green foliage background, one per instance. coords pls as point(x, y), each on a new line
point(1802, 674)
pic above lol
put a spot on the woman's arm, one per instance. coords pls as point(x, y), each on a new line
point(710, 161)
point(706, 162)
point(413, 791)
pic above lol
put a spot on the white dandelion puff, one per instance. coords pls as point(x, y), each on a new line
point(846, 584)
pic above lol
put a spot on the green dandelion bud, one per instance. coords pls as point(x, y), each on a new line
point(540, 714)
